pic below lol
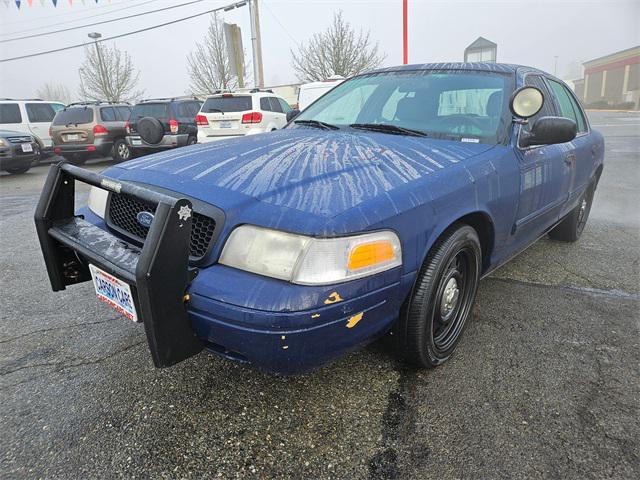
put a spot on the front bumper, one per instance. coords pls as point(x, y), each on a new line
point(168, 141)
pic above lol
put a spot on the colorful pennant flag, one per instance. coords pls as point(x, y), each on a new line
point(30, 2)
point(18, 4)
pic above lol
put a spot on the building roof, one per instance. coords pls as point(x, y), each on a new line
point(481, 42)
point(613, 57)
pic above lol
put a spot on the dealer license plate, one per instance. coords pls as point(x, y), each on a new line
point(114, 292)
point(225, 124)
point(72, 136)
point(27, 147)
point(136, 141)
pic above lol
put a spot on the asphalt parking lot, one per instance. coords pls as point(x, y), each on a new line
point(545, 383)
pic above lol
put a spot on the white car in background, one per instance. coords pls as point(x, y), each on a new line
point(310, 92)
point(30, 116)
point(235, 114)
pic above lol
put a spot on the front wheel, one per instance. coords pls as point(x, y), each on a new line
point(18, 170)
point(435, 315)
point(121, 151)
point(571, 227)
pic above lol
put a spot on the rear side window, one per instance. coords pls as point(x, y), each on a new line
point(285, 106)
point(74, 116)
point(227, 104)
point(123, 113)
point(10, 113)
point(40, 112)
point(275, 105)
point(569, 108)
point(187, 109)
point(265, 105)
point(155, 110)
point(108, 114)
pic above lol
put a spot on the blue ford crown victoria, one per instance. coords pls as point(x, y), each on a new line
point(378, 208)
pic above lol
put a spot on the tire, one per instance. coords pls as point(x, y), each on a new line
point(18, 170)
point(121, 151)
point(434, 317)
point(150, 130)
point(572, 226)
point(192, 141)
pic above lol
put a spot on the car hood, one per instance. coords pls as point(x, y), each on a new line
point(307, 171)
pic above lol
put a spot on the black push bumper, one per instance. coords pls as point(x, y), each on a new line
point(158, 273)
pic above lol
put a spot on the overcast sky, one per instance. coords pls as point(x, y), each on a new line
point(527, 31)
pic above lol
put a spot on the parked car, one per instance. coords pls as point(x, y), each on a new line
point(18, 152)
point(91, 129)
point(378, 209)
point(235, 114)
point(30, 116)
point(310, 92)
point(163, 123)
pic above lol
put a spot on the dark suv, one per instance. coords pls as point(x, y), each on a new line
point(82, 130)
point(163, 123)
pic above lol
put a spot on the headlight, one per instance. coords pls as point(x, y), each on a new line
point(2, 142)
point(98, 201)
point(310, 261)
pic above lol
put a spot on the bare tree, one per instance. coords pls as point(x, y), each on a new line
point(209, 64)
point(54, 91)
point(108, 74)
point(336, 51)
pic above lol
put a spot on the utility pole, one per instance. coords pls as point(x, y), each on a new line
point(95, 36)
point(405, 37)
point(256, 44)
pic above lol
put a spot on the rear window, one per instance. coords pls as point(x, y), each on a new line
point(75, 116)
point(155, 110)
point(40, 112)
point(10, 113)
point(227, 104)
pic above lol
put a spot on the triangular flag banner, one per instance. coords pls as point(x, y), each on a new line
point(42, 2)
point(18, 4)
point(55, 3)
point(6, 3)
point(30, 2)
point(71, 2)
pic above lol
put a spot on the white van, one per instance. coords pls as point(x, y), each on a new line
point(29, 116)
point(310, 92)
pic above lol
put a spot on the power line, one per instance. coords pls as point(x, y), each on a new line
point(280, 23)
point(70, 47)
point(74, 12)
point(101, 22)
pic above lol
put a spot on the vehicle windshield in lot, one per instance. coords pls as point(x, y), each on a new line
point(155, 110)
point(443, 104)
point(75, 116)
point(227, 104)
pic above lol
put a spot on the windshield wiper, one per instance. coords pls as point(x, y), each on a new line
point(317, 123)
point(387, 128)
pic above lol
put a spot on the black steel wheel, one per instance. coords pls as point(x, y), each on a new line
point(436, 314)
point(572, 226)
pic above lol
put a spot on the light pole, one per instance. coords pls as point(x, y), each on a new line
point(95, 36)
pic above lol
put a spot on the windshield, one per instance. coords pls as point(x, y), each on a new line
point(155, 110)
point(463, 105)
point(227, 104)
point(74, 116)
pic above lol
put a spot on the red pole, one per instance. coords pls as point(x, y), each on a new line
point(405, 42)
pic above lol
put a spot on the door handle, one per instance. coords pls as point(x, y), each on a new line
point(569, 158)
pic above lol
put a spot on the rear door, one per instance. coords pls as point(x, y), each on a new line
point(73, 126)
point(583, 153)
point(224, 114)
point(11, 118)
point(39, 117)
point(111, 121)
point(279, 116)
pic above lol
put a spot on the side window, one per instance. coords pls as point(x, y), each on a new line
point(265, 104)
point(569, 108)
point(40, 112)
point(10, 113)
point(108, 114)
point(547, 109)
point(285, 106)
point(275, 105)
point(123, 113)
point(195, 108)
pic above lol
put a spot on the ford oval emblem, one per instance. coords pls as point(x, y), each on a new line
point(145, 218)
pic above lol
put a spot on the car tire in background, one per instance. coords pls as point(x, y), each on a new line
point(18, 170)
point(435, 315)
point(121, 151)
point(570, 228)
point(150, 130)
point(192, 140)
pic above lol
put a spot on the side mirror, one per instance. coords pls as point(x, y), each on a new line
point(549, 131)
point(292, 114)
point(526, 102)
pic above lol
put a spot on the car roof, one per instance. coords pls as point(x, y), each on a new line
point(471, 66)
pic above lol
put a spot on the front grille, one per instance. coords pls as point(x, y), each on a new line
point(20, 139)
point(123, 211)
